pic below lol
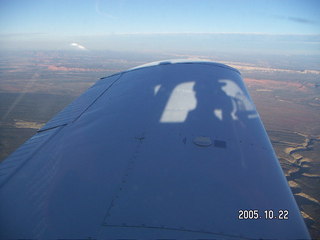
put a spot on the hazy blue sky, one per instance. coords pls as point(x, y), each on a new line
point(162, 25)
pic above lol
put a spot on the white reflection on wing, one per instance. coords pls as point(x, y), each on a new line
point(181, 101)
point(218, 114)
point(240, 101)
point(156, 89)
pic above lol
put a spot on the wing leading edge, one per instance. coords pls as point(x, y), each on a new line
point(172, 149)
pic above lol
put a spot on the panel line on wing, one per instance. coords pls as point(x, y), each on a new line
point(25, 152)
point(178, 229)
point(75, 110)
point(97, 98)
point(129, 168)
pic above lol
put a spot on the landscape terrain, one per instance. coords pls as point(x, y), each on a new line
point(35, 85)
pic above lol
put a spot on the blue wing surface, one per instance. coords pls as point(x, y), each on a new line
point(168, 150)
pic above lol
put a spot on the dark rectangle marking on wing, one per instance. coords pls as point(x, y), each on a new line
point(220, 144)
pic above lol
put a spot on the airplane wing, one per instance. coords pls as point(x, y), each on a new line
point(174, 149)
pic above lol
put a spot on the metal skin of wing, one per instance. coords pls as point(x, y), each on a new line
point(174, 149)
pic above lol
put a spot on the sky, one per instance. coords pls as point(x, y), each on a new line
point(269, 26)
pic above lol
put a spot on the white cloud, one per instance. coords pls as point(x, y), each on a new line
point(77, 45)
